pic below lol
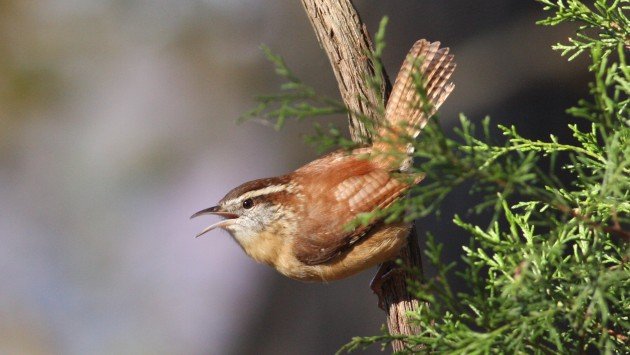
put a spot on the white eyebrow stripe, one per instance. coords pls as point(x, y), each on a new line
point(264, 191)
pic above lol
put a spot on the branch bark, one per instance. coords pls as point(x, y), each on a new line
point(345, 39)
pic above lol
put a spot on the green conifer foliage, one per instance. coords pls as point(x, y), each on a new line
point(549, 272)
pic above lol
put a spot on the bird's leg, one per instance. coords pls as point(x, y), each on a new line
point(385, 271)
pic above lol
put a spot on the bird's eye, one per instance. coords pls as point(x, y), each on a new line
point(247, 204)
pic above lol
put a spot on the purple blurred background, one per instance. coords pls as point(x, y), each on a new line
point(117, 122)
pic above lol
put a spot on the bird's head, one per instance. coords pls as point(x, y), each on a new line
point(251, 209)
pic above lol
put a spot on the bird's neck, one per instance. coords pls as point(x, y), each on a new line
point(269, 244)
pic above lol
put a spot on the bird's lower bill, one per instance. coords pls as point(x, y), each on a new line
point(221, 224)
point(229, 219)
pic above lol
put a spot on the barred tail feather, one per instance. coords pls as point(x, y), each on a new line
point(407, 112)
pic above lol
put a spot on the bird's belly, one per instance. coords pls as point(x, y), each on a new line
point(383, 243)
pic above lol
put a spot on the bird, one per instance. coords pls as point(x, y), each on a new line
point(300, 223)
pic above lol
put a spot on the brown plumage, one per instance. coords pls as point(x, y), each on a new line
point(298, 223)
point(429, 66)
point(357, 186)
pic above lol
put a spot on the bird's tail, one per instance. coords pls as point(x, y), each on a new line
point(422, 85)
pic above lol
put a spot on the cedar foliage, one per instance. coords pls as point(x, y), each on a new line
point(548, 273)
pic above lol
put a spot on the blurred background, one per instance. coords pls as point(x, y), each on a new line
point(118, 121)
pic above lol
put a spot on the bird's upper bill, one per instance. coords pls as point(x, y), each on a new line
point(215, 210)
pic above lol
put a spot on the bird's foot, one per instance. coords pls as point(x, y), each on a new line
point(385, 271)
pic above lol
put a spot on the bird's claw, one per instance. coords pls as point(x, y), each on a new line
point(385, 272)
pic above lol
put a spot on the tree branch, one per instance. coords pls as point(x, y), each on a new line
point(345, 40)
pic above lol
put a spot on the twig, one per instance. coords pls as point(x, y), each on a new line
point(614, 229)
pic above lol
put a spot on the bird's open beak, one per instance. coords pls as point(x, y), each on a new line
point(215, 210)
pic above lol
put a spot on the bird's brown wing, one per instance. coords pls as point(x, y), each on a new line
point(362, 189)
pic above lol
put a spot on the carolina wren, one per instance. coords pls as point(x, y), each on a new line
point(298, 222)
